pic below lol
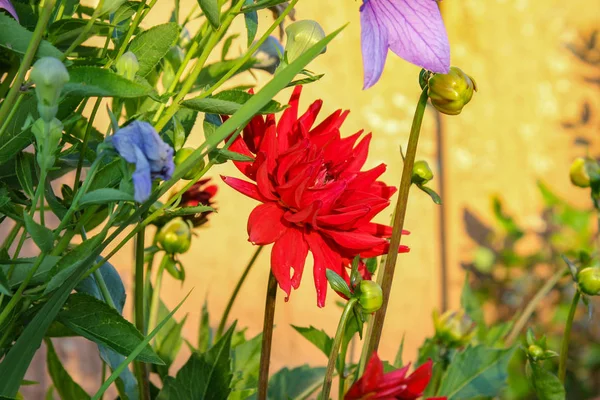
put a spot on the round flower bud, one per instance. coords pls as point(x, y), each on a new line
point(588, 280)
point(175, 236)
point(127, 65)
point(49, 76)
point(453, 328)
point(371, 296)
point(301, 36)
point(450, 92)
point(421, 173)
point(181, 156)
point(579, 174)
point(536, 352)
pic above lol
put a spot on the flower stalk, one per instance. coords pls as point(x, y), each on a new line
point(156, 293)
point(337, 341)
point(386, 276)
point(140, 367)
point(267, 338)
point(564, 347)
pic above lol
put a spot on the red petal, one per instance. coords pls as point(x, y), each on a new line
point(369, 381)
point(246, 188)
point(289, 252)
point(354, 240)
point(310, 116)
point(344, 219)
point(290, 115)
point(379, 230)
point(265, 224)
point(360, 152)
point(245, 167)
point(365, 179)
point(333, 122)
point(324, 257)
point(417, 381)
point(254, 132)
point(265, 187)
point(382, 249)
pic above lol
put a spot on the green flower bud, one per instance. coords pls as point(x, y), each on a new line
point(453, 328)
point(110, 6)
point(450, 92)
point(421, 173)
point(181, 156)
point(301, 36)
point(579, 174)
point(175, 236)
point(127, 65)
point(371, 296)
point(536, 352)
point(588, 280)
point(47, 137)
point(49, 76)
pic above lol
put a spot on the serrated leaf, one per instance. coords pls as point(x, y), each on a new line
point(204, 376)
point(228, 102)
point(100, 323)
point(41, 235)
point(66, 387)
point(546, 385)
point(152, 45)
point(169, 346)
point(290, 383)
point(212, 11)
point(476, 372)
point(104, 196)
point(100, 82)
point(221, 156)
point(317, 337)
point(16, 38)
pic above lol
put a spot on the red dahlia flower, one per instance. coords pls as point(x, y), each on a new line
point(374, 384)
point(315, 196)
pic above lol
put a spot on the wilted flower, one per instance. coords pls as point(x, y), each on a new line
point(138, 143)
point(301, 36)
point(7, 5)
point(374, 384)
point(413, 29)
point(200, 194)
point(49, 76)
point(315, 196)
point(269, 55)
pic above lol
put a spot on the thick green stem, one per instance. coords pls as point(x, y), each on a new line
point(141, 371)
point(564, 347)
point(234, 295)
point(337, 341)
point(385, 277)
point(532, 305)
point(156, 293)
point(36, 39)
point(267, 338)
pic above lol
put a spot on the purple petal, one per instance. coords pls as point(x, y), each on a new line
point(374, 43)
point(416, 32)
point(6, 5)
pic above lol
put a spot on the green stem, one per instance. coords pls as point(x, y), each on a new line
point(564, 348)
point(333, 356)
point(342, 379)
point(267, 338)
point(532, 305)
point(142, 373)
point(385, 277)
point(86, 138)
point(12, 235)
point(36, 39)
point(134, 24)
point(100, 280)
point(156, 292)
point(11, 114)
point(86, 29)
point(235, 292)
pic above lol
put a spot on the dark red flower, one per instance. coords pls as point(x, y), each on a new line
point(201, 193)
point(374, 384)
point(315, 196)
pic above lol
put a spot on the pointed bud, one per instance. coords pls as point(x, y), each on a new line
point(175, 237)
point(127, 65)
point(535, 352)
point(371, 296)
point(450, 92)
point(49, 76)
point(588, 280)
point(181, 156)
point(301, 36)
point(421, 173)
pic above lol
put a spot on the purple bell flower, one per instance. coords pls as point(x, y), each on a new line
point(138, 143)
point(7, 5)
point(413, 29)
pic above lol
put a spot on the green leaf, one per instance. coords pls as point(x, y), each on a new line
point(169, 346)
point(189, 211)
point(221, 156)
point(100, 82)
point(212, 11)
point(66, 387)
point(431, 193)
point(100, 323)
point(204, 331)
point(228, 102)
point(25, 265)
point(104, 196)
point(291, 383)
point(212, 73)
point(251, 21)
point(546, 385)
point(398, 363)
point(338, 283)
point(471, 304)
point(227, 45)
point(475, 372)
point(16, 38)
point(41, 235)
point(152, 45)
point(4, 285)
point(204, 376)
point(246, 363)
point(317, 337)
point(306, 81)
point(24, 168)
point(261, 4)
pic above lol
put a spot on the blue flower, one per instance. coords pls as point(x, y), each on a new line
point(138, 143)
point(6, 5)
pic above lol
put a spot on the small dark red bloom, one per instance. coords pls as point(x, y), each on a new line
point(200, 194)
point(314, 194)
point(375, 385)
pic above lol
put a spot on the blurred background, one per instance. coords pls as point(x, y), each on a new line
point(537, 67)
